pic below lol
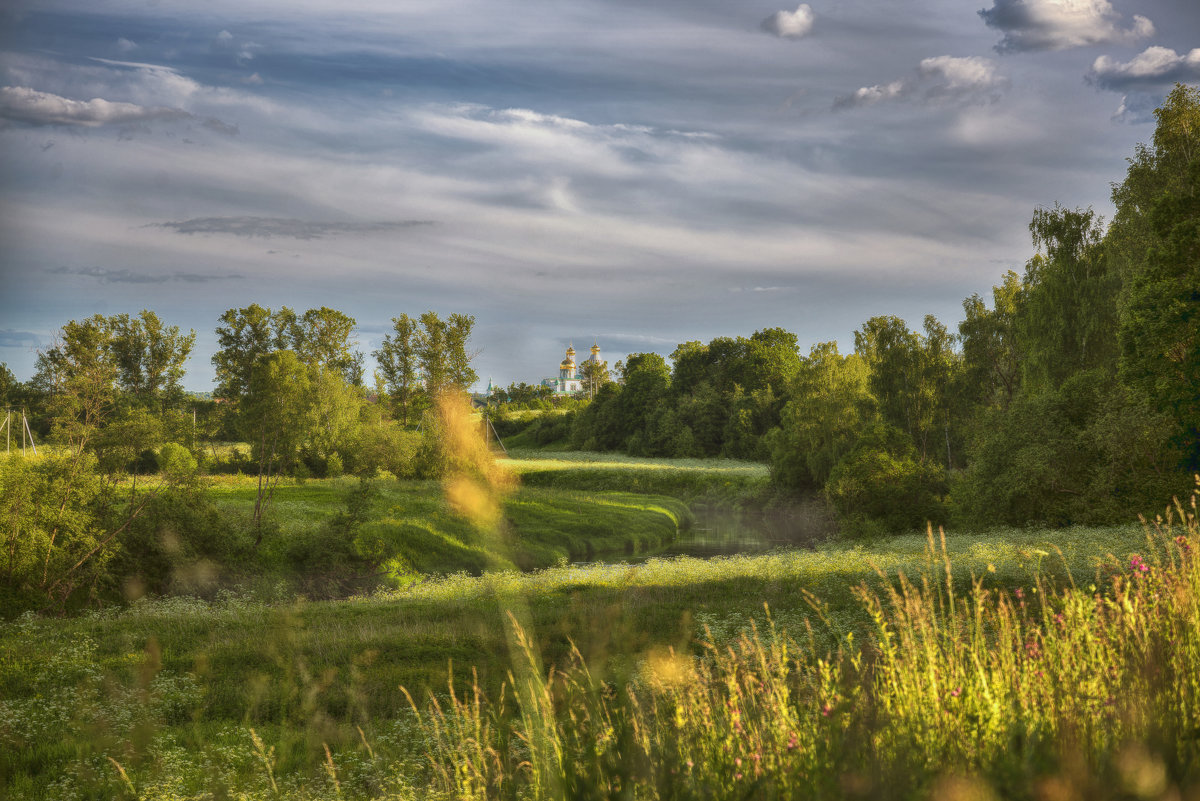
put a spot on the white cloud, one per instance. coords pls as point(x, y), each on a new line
point(869, 95)
point(955, 74)
point(790, 24)
point(125, 45)
point(1061, 24)
point(969, 79)
point(1154, 66)
point(23, 104)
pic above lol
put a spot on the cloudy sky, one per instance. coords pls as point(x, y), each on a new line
point(639, 172)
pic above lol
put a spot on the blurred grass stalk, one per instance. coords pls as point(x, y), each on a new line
point(1047, 691)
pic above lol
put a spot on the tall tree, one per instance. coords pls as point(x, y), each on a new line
point(246, 337)
point(8, 386)
point(273, 412)
point(399, 365)
point(78, 376)
point(1067, 316)
point(1160, 327)
point(460, 375)
point(150, 358)
point(321, 338)
point(828, 409)
point(593, 375)
point(990, 353)
point(433, 353)
point(910, 377)
point(1157, 234)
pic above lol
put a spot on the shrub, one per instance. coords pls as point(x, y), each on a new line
point(176, 462)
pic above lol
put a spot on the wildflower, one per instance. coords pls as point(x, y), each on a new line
point(793, 743)
point(956, 692)
point(826, 709)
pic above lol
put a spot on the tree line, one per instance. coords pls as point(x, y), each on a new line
point(1071, 395)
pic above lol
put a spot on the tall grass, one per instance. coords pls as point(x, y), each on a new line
point(1045, 691)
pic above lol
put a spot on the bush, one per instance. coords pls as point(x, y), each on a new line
point(181, 542)
point(176, 462)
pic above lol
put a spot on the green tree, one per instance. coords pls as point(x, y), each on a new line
point(1156, 239)
point(399, 365)
point(78, 376)
point(1066, 319)
point(829, 407)
point(332, 421)
point(1160, 326)
point(273, 417)
point(321, 338)
point(246, 337)
point(458, 353)
point(883, 483)
point(991, 357)
point(646, 379)
point(150, 358)
point(593, 375)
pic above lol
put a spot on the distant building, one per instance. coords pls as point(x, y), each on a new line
point(569, 381)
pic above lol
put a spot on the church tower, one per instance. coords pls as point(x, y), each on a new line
point(566, 370)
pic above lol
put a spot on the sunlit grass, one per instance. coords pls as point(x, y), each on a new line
point(196, 676)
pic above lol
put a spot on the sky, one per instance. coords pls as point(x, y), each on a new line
point(638, 173)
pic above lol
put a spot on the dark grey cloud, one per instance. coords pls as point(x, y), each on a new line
point(107, 276)
point(18, 339)
point(278, 226)
point(1057, 25)
point(26, 105)
point(217, 126)
point(1154, 67)
point(790, 24)
point(970, 79)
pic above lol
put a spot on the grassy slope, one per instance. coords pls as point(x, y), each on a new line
point(543, 526)
point(310, 672)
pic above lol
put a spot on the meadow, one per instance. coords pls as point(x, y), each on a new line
point(416, 532)
point(276, 696)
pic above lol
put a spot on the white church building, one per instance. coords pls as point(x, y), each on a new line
point(570, 381)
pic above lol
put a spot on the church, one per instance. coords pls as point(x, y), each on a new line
point(569, 381)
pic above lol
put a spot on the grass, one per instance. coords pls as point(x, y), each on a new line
point(724, 481)
point(420, 533)
point(172, 688)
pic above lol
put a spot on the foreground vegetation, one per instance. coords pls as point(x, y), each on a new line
point(1023, 660)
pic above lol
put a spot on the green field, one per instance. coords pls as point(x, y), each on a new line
point(541, 526)
point(270, 695)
